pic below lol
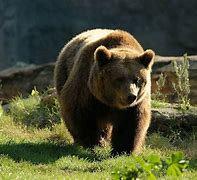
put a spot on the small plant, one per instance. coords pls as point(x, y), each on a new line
point(176, 164)
point(152, 166)
point(159, 98)
point(160, 84)
point(182, 87)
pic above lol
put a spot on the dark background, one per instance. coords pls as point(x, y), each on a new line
point(34, 31)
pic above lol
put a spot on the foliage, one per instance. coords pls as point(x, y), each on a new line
point(182, 87)
point(151, 166)
point(158, 95)
point(33, 112)
point(158, 104)
point(176, 164)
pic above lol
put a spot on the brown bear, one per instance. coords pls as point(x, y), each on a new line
point(102, 78)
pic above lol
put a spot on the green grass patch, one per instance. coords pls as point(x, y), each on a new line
point(158, 104)
point(30, 150)
point(33, 112)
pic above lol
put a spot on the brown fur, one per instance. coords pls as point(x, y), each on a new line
point(102, 78)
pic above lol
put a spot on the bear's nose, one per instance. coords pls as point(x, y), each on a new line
point(131, 98)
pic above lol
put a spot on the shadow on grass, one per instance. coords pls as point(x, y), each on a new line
point(43, 153)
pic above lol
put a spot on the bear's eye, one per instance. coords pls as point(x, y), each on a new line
point(139, 82)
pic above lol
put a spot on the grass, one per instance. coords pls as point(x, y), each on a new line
point(29, 151)
point(158, 104)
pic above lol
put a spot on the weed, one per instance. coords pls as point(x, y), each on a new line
point(159, 96)
point(151, 166)
point(156, 140)
point(33, 112)
point(182, 87)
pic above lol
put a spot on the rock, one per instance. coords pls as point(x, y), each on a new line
point(34, 31)
point(169, 118)
point(21, 81)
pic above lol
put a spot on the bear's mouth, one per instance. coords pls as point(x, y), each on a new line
point(125, 105)
point(133, 103)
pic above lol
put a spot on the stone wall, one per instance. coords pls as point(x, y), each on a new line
point(35, 31)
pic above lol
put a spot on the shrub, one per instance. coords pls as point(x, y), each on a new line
point(182, 87)
point(152, 166)
point(33, 112)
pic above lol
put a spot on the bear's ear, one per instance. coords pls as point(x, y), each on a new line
point(102, 55)
point(147, 58)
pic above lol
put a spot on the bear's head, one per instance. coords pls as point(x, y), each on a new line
point(120, 77)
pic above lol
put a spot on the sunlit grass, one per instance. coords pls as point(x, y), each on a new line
point(158, 104)
point(29, 151)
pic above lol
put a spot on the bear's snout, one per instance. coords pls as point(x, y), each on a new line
point(131, 98)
